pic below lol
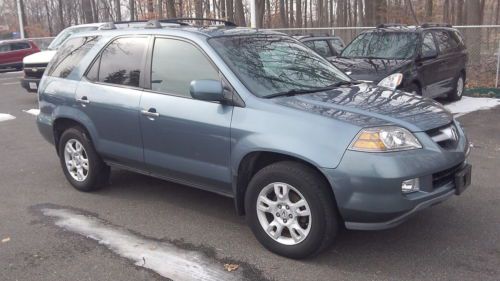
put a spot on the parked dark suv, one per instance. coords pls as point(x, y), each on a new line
point(326, 46)
point(253, 115)
point(429, 60)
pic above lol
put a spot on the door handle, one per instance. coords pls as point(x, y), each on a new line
point(83, 99)
point(150, 113)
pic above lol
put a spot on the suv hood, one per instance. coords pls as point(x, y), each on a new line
point(366, 105)
point(368, 69)
point(43, 57)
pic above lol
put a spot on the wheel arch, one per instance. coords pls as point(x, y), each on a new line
point(253, 162)
point(61, 124)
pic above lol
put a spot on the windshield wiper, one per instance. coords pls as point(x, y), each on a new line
point(294, 92)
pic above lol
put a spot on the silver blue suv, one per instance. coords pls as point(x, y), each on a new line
point(253, 115)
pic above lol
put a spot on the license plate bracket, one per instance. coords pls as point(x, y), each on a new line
point(463, 179)
point(33, 85)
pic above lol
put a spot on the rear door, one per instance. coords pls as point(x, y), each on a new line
point(185, 140)
point(449, 61)
point(4, 53)
point(20, 50)
point(110, 94)
point(429, 68)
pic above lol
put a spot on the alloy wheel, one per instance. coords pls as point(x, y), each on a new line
point(284, 213)
point(76, 159)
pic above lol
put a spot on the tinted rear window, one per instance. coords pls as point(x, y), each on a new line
point(382, 45)
point(445, 42)
point(121, 62)
point(69, 55)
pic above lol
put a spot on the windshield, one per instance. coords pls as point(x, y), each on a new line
point(272, 64)
point(65, 34)
point(382, 45)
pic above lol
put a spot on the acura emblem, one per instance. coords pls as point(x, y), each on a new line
point(451, 133)
point(34, 69)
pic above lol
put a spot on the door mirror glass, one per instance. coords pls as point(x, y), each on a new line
point(207, 90)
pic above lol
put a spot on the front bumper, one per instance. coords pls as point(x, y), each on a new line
point(367, 186)
point(30, 84)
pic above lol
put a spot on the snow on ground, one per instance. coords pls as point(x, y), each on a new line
point(470, 104)
point(33, 111)
point(164, 258)
point(5, 117)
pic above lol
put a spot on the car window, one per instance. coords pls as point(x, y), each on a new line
point(121, 62)
point(175, 64)
point(4, 48)
point(65, 34)
point(69, 55)
point(429, 48)
point(445, 42)
point(275, 64)
point(20, 46)
point(337, 44)
point(457, 36)
point(382, 45)
point(319, 46)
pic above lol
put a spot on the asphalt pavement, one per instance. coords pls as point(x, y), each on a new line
point(456, 240)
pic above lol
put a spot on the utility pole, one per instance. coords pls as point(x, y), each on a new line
point(253, 14)
point(20, 17)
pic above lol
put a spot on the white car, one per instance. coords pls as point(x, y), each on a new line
point(34, 65)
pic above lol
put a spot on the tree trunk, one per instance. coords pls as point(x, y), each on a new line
point(473, 37)
point(160, 9)
point(290, 12)
point(298, 12)
point(230, 10)
point(171, 9)
point(412, 11)
point(198, 9)
point(118, 10)
point(131, 5)
point(47, 13)
point(283, 14)
point(60, 12)
point(460, 12)
point(261, 9)
point(240, 13)
point(87, 11)
point(446, 11)
point(223, 9)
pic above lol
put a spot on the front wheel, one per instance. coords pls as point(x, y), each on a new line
point(290, 210)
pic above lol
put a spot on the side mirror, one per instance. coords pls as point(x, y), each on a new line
point(207, 90)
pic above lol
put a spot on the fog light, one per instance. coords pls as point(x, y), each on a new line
point(410, 185)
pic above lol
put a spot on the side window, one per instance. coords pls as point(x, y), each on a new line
point(337, 45)
point(320, 46)
point(175, 64)
point(20, 46)
point(445, 42)
point(121, 62)
point(458, 38)
point(428, 46)
point(4, 48)
point(69, 55)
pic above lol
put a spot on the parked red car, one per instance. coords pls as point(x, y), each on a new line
point(12, 53)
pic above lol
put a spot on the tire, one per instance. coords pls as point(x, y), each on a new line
point(319, 229)
point(414, 88)
point(458, 89)
point(95, 174)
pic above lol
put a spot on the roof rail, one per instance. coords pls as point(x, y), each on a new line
point(182, 21)
point(107, 26)
point(434, 24)
point(153, 24)
point(385, 25)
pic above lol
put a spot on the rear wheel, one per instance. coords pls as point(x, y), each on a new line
point(414, 88)
point(290, 210)
point(81, 164)
point(458, 91)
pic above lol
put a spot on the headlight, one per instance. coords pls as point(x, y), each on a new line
point(385, 139)
point(392, 81)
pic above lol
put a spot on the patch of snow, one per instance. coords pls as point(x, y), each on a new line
point(33, 111)
point(470, 104)
point(164, 258)
point(5, 117)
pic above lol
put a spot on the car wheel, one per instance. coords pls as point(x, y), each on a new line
point(458, 91)
point(81, 164)
point(290, 210)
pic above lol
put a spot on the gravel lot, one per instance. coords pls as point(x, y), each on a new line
point(456, 240)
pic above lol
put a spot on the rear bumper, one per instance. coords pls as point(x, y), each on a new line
point(25, 83)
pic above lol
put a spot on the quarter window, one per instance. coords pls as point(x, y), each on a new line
point(121, 62)
point(69, 55)
point(175, 64)
point(4, 48)
point(445, 42)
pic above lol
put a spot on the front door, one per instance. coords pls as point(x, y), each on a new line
point(185, 140)
point(428, 67)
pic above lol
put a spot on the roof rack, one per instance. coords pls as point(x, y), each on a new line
point(182, 21)
point(385, 25)
point(434, 24)
point(107, 26)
